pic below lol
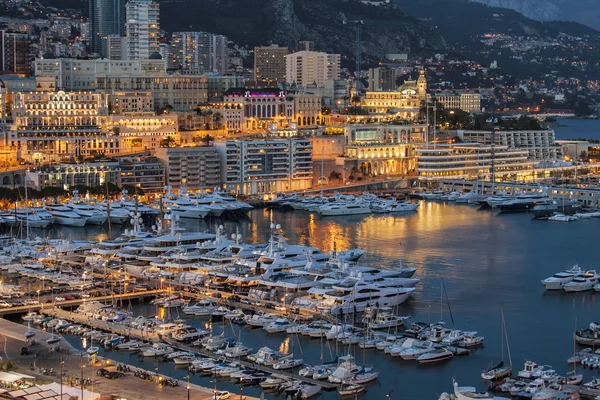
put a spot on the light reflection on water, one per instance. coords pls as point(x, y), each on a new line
point(488, 262)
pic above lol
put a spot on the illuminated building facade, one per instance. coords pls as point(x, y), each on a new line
point(51, 126)
point(142, 26)
point(381, 149)
point(260, 108)
point(68, 175)
point(265, 166)
point(194, 167)
point(198, 51)
point(541, 145)
point(311, 67)
point(137, 133)
point(270, 63)
point(180, 91)
point(147, 173)
point(404, 102)
point(470, 161)
point(465, 100)
point(131, 103)
point(184, 92)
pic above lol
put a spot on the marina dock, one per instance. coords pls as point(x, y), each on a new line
point(77, 302)
point(182, 347)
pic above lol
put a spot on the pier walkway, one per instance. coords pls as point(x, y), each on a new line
point(16, 331)
point(112, 327)
point(76, 302)
point(182, 347)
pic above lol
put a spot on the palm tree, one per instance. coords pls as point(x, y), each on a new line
point(218, 119)
point(167, 142)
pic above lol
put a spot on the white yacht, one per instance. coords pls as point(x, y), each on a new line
point(385, 318)
point(344, 208)
point(582, 282)
point(392, 206)
point(118, 214)
point(92, 215)
point(64, 215)
point(466, 197)
point(354, 294)
point(186, 208)
point(560, 279)
point(32, 218)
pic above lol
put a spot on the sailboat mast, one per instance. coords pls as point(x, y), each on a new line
point(506, 337)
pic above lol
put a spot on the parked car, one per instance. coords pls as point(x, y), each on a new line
point(31, 302)
point(59, 298)
point(221, 394)
point(5, 304)
point(69, 297)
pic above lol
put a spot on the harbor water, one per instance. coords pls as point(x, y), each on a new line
point(490, 263)
point(577, 128)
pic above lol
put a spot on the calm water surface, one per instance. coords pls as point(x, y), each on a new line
point(578, 128)
point(489, 262)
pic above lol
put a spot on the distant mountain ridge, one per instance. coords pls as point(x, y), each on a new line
point(583, 11)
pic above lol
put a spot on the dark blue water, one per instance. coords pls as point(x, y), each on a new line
point(489, 262)
point(578, 128)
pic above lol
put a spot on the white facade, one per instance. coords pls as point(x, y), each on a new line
point(471, 161)
point(74, 74)
point(541, 145)
point(265, 166)
point(311, 67)
point(142, 26)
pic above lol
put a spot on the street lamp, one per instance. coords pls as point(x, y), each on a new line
point(188, 386)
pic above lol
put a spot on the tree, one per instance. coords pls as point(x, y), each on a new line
point(335, 176)
point(206, 139)
point(583, 156)
point(356, 100)
point(218, 119)
point(167, 142)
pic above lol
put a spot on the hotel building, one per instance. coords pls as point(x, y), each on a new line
point(263, 166)
point(305, 68)
point(270, 63)
point(51, 126)
point(470, 161)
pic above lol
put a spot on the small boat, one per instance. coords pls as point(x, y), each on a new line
point(498, 372)
point(29, 334)
point(92, 350)
point(53, 340)
point(288, 363)
point(363, 377)
point(30, 316)
point(560, 217)
point(348, 389)
point(435, 356)
point(308, 391)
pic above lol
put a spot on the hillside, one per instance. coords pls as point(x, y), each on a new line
point(460, 20)
point(255, 22)
point(285, 22)
point(583, 11)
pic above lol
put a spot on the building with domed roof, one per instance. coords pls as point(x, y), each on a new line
point(404, 102)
